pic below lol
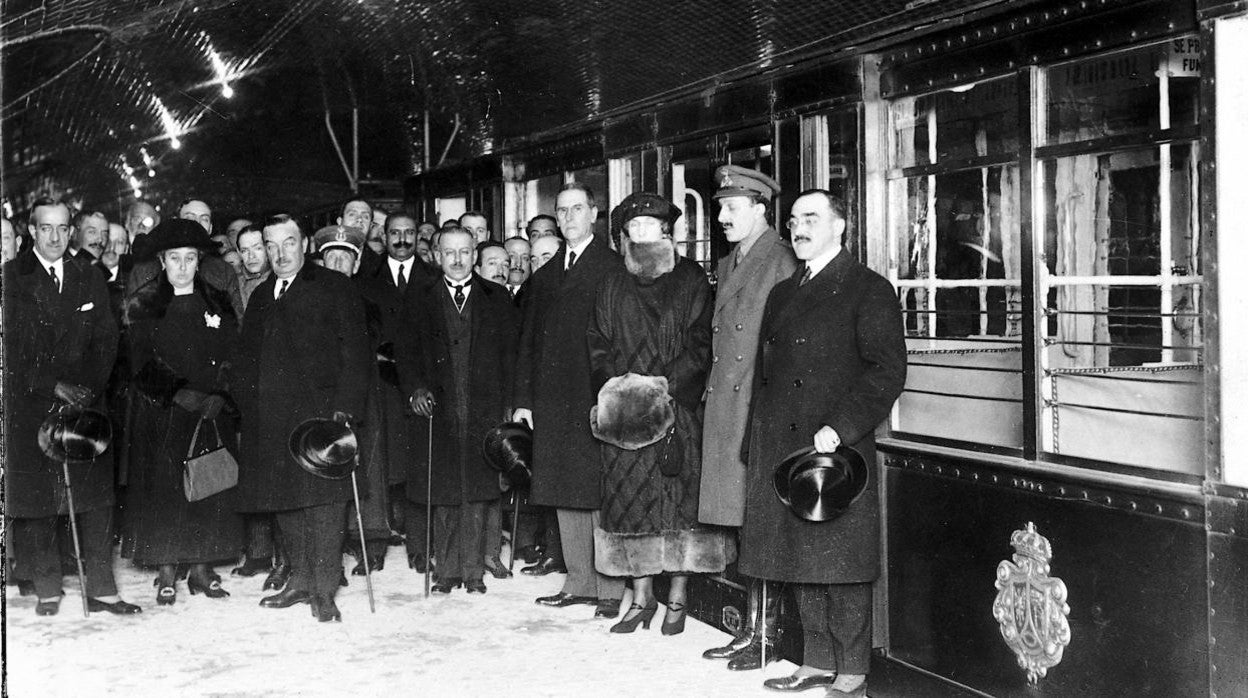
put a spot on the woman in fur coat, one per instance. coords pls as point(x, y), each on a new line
point(650, 351)
point(180, 333)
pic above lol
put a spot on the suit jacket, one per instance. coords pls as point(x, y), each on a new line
point(460, 473)
point(51, 337)
point(301, 356)
point(831, 352)
point(739, 300)
point(553, 376)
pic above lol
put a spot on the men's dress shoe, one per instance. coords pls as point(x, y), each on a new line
point(277, 578)
point(374, 564)
point(731, 649)
point(325, 610)
point(860, 692)
point(799, 683)
point(496, 568)
point(48, 608)
point(117, 608)
point(475, 586)
point(607, 608)
point(751, 657)
point(444, 586)
point(252, 567)
point(286, 598)
point(544, 567)
point(564, 599)
point(396, 539)
point(417, 562)
point(529, 553)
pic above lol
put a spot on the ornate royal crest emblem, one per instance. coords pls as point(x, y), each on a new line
point(1031, 605)
point(726, 181)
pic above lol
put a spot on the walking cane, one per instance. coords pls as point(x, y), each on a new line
point(73, 527)
point(515, 524)
point(762, 627)
point(429, 509)
point(359, 523)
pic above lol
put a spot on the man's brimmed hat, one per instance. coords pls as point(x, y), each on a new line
point(325, 448)
point(76, 433)
point(508, 448)
point(820, 486)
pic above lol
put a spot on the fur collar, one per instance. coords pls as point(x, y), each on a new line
point(152, 299)
point(649, 260)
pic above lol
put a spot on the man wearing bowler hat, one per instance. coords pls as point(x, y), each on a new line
point(758, 261)
point(457, 356)
point(303, 353)
point(831, 362)
point(60, 340)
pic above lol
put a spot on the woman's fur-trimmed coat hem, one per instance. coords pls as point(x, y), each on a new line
point(699, 550)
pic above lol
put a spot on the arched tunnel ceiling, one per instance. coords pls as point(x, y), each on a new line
point(90, 86)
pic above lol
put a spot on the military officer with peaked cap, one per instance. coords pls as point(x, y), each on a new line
point(758, 261)
point(340, 247)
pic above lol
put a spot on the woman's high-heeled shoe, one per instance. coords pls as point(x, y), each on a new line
point(628, 625)
point(677, 626)
point(166, 593)
point(212, 589)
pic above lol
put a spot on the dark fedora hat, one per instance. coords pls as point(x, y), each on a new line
point(820, 486)
point(75, 433)
point(324, 447)
point(508, 448)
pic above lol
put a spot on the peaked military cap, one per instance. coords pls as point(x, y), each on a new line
point(735, 180)
point(343, 237)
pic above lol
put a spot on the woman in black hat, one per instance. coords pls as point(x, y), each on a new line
point(180, 333)
point(654, 322)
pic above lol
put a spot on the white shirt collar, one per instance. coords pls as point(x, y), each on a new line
point(58, 265)
point(394, 269)
point(579, 249)
point(277, 286)
point(817, 264)
point(450, 286)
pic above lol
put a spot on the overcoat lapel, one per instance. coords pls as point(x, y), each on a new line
point(819, 291)
point(744, 276)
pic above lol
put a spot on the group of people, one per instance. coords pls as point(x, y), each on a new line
point(659, 404)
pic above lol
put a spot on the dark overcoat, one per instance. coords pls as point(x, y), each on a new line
point(739, 299)
point(403, 432)
point(51, 337)
point(553, 376)
point(460, 473)
point(301, 356)
point(831, 352)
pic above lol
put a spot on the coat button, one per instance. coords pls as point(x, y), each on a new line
point(740, 327)
point(740, 358)
point(797, 383)
point(715, 328)
point(792, 427)
point(715, 360)
point(800, 340)
point(771, 340)
point(736, 388)
point(710, 389)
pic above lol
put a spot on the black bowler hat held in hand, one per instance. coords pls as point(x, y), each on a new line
point(75, 434)
point(820, 486)
point(325, 448)
point(508, 448)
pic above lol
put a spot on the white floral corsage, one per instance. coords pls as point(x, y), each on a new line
point(213, 321)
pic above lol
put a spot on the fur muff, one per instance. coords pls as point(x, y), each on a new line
point(633, 411)
point(649, 260)
point(641, 555)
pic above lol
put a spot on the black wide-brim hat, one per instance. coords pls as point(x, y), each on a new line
point(508, 448)
point(75, 434)
point(324, 447)
point(820, 486)
point(173, 233)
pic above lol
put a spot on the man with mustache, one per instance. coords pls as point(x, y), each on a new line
point(456, 363)
point(832, 363)
point(90, 234)
point(388, 289)
point(517, 264)
point(492, 262)
point(758, 261)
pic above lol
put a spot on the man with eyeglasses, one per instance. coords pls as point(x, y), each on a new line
point(554, 393)
point(758, 260)
point(831, 365)
point(60, 341)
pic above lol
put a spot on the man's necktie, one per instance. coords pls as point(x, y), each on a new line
point(736, 258)
point(571, 260)
point(459, 296)
point(55, 279)
point(402, 279)
point(805, 277)
point(282, 291)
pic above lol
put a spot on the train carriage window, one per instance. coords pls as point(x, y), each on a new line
point(830, 156)
point(954, 256)
point(624, 177)
point(1120, 370)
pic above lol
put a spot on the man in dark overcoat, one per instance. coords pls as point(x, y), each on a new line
point(758, 260)
point(389, 288)
point(831, 363)
point(456, 361)
point(303, 353)
point(60, 341)
point(554, 393)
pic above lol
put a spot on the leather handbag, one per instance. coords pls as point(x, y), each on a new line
point(210, 472)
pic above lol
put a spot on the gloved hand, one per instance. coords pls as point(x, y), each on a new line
point(211, 406)
point(75, 395)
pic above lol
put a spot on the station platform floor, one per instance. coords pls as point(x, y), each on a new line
point(497, 644)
